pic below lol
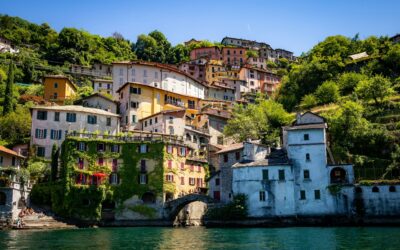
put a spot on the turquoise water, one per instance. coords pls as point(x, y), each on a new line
point(202, 238)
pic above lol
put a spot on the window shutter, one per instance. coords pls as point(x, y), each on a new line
point(52, 134)
point(59, 134)
point(44, 133)
point(37, 133)
point(147, 179)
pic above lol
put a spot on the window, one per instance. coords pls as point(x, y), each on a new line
point(1, 160)
point(13, 161)
point(308, 157)
point(225, 157)
point(81, 146)
point(100, 147)
point(191, 181)
point(217, 180)
point(375, 189)
point(182, 151)
point(137, 91)
point(237, 155)
point(265, 174)
point(57, 116)
point(155, 74)
point(55, 85)
point(143, 179)
point(317, 194)
point(133, 118)
point(55, 95)
point(169, 149)
point(169, 178)
point(199, 168)
point(182, 180)
point(41, 115)
point(55, 134)
point(71, 117)
point(281, 175)
point(191, 168)
point(144, 148)
point(108, 121)
point(143, 165)
point(100, 161)
point(306, 174)
point(151, 121)
point(92, 119)
point(171, 119)
point(191, 104)
point(155, 120)
point(262, 195)
point(80, 163)
point(169, 164)
point(306, 137)
point(40, 133)
point(115, 148)
point(302, 194)
point(40, 151)
point(134, 105)
point(182, 166)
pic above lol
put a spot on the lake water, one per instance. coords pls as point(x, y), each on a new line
point(202, 238)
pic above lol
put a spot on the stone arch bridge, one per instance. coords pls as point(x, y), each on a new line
point(172, 208)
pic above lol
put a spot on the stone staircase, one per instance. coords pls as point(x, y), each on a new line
point(40, 221)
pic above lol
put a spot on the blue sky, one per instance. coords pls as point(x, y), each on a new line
point(293, 25)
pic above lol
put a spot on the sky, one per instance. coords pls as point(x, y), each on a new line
point(293, 25)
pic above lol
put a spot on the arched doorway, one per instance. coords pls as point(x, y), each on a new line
point(338, 175)
point(3, 198)
point(148, 198)
point(191, 214)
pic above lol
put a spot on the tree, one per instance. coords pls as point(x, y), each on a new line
point(328, 92)
point(15, 127)
point(145, 48)
point(308, 101)
point(262, 120)
point(55, 152)
point(348, 81)
point(251, 53)
point(8, 105)
point(84, 91)
point(376, 88)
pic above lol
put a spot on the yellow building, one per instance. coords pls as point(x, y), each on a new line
point(215, 69)
point(58, 88)
point(138, 101)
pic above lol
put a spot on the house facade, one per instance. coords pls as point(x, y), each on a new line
point(138, 101)
point(58, 88)
point(103, 86)
point(99, 101)
point(293, 180)
point(156, 75)
point(51, 124)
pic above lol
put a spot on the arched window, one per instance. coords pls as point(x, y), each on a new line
point(358, 190)
point(392, 189)
point(3, 198)
point(375, 189)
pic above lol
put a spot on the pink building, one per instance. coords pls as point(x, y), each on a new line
point(210, 53)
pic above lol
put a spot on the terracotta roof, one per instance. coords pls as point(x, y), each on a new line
point(160, 65)
point(10, 152)
point(231, 147)
point(163, 113)
point(96, 94)
point(145, 85)
point(76, 108)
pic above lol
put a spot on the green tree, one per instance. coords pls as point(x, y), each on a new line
point(55, 152)
point(328, 92)
point(377, 88)
point(15, 127)
point(348, 81)
point(251, 53)
point(262, 120)
point(308, 101)
point(8, 105)
point(84, 91)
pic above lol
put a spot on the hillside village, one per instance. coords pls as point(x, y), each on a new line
point(145, 139)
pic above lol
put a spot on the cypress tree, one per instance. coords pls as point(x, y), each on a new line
point(55, 152)
point(8, 106)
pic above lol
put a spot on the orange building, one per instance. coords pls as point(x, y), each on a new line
point(58, 88)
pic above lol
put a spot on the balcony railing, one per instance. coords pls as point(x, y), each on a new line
point(175, 103)
point(131, 137)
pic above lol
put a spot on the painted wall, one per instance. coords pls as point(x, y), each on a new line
point(100, 103)
point(58, 90)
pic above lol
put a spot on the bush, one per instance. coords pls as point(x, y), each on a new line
point(235, 210)
point(308, 101)
point(328, 92)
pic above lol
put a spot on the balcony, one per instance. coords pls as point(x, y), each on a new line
point(175, 103)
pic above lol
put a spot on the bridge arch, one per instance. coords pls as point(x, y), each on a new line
point(172, 208)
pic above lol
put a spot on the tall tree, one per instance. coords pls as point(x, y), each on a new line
point(8, 106)
point(55, 152)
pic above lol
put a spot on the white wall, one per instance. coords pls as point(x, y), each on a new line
point(156, 77)
point(80, 124)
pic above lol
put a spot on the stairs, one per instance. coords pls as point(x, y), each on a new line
point(43, 222)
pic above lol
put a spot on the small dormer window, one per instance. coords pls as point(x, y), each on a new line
point(306, 137)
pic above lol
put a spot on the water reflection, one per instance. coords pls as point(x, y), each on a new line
point(202, 238)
